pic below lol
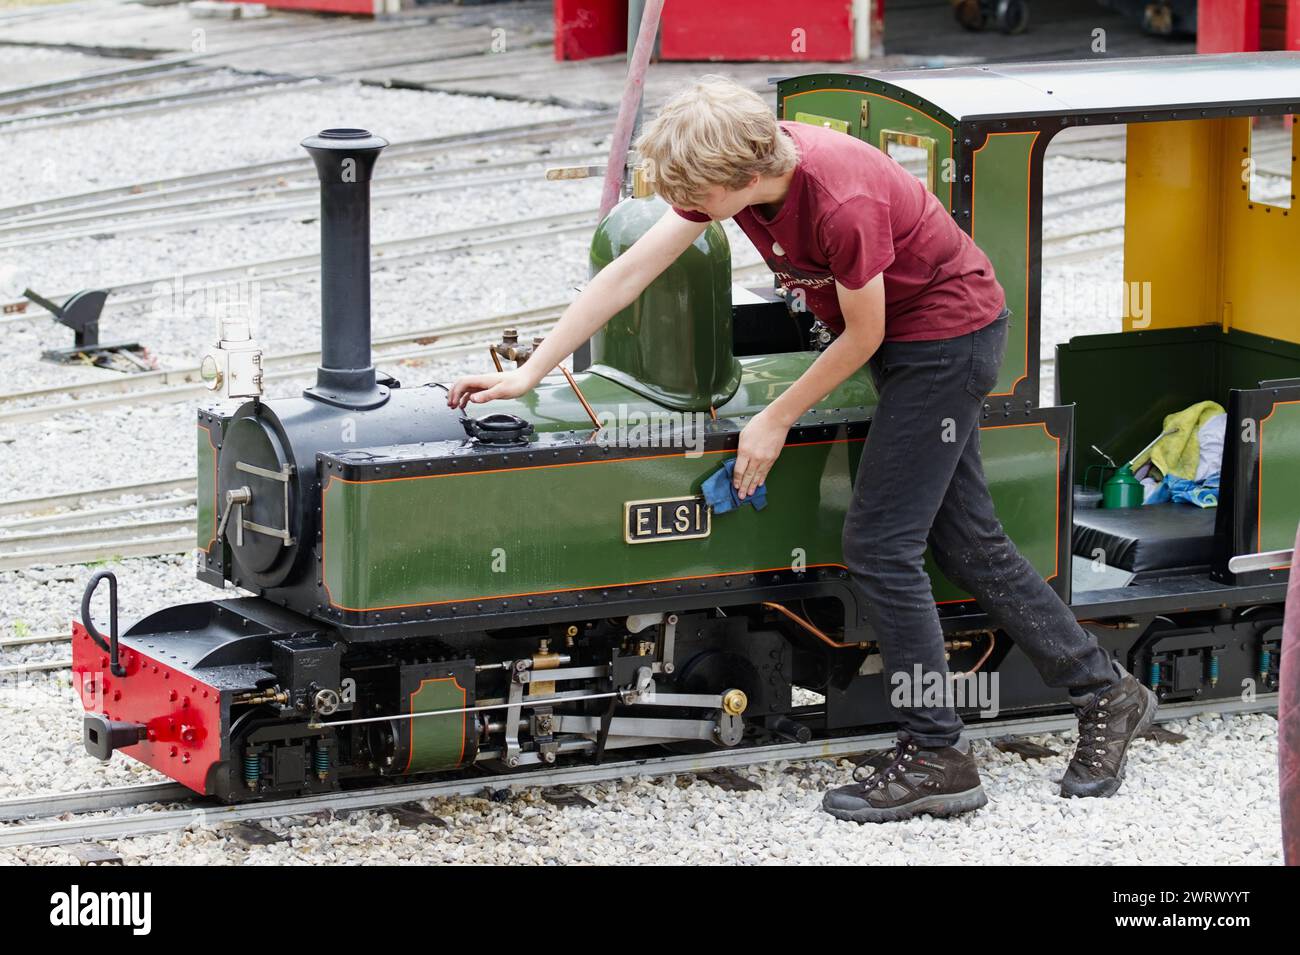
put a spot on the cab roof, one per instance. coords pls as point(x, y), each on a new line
point(1119, 85)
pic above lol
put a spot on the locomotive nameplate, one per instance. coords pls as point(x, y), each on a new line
point(666, 518)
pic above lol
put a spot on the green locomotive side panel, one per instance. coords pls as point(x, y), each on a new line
point(1000, 226)
point(437, 742)
point(206, 490)
point(530, 531)
point(1022, 465)
point(1279, 476)
point(412, 541)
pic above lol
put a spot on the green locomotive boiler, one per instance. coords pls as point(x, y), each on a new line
point(426, 594)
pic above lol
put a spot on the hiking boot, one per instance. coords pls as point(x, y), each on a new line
point(915, 780)
point(1109, 719)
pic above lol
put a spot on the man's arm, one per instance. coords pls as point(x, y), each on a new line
point(612, 289)
point(763, 437)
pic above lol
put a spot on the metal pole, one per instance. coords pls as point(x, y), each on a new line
point(629, 120)
point(630, 105)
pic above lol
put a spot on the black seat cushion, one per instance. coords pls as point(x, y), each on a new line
point(1142, 539)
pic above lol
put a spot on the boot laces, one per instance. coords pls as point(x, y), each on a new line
point(1087, 752)
point(903, 752)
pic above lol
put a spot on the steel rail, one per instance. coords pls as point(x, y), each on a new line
point(21, 669)
point(92, 514)
point(28, 505)
point(62, 832)
point(15, 808)
point(115, 550)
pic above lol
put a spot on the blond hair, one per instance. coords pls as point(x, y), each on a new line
point(716, 133)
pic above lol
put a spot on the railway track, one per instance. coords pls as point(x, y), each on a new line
point(255, 175)
point(306, 267)
point(48, 502)
point(26, 669)
point(289, 195)
point(104, 541)
point(164, 385)
point(33, 639)
point(16, 808)
point(168, 385)
point(167, 100)
point(471, 239)
point(169, 67)
point(45, 830)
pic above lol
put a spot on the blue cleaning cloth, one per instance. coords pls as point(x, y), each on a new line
point(1203, 493)
point(721, 495)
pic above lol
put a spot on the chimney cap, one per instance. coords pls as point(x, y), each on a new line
point(345, 138)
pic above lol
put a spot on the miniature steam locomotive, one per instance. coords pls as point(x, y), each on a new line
point(432, 592)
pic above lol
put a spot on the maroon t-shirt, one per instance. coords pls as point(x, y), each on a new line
point(853, 212)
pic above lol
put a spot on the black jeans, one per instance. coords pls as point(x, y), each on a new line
point(921, 481)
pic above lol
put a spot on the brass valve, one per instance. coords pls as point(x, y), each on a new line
point(510, 348)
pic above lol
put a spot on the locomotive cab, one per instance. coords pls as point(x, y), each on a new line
point(1211, 233)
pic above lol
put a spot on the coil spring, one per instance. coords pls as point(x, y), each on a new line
point(1265, 661)
point(1155, 674)
point(252, 767)
point(322, 759)
point(1214, 671)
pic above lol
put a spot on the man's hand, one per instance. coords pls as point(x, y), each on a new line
point(761, 441)
point(489, 387)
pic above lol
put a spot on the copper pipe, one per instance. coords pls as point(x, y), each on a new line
point(495, 359)
point(812, 629)
point(984, 659)
point(578, 391)
point(713, 412)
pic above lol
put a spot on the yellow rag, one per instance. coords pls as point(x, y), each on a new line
point(1179, 452)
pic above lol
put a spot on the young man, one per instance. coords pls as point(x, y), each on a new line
point(876, 257)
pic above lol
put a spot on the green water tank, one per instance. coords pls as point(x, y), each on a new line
point(673, 344)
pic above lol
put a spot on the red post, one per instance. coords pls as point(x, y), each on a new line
point(587, 28)
point(1229, 26)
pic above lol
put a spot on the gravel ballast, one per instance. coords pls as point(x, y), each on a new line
point(1176, 807)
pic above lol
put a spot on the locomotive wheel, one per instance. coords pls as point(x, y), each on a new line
point(1012, 16)
point(970, 15)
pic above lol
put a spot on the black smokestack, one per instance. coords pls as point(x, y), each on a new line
point(344, 161)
